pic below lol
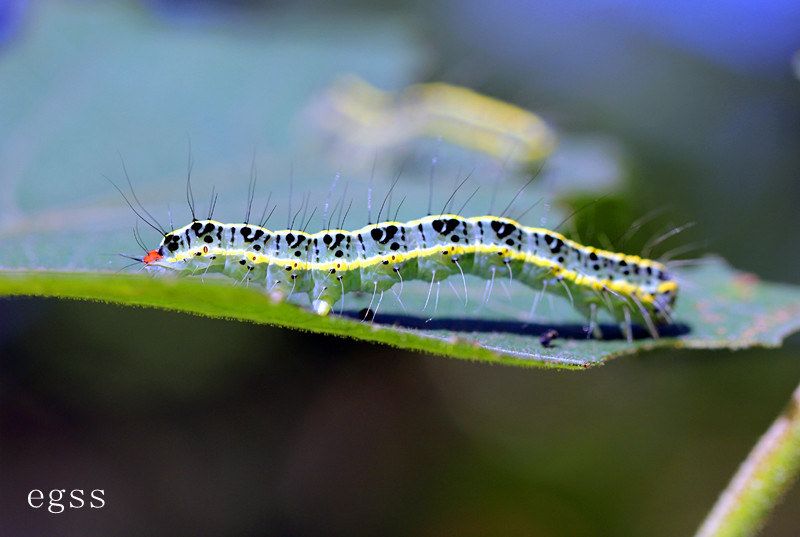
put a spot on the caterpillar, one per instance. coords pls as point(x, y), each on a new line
point(363, 116)
point(330, 263)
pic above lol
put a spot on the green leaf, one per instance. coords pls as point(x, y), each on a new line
point(718, 308)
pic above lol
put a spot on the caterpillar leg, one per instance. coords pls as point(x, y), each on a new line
point(594, 328)
point(276, 295)
point(651, 326)
point(321, 307)
point(589, 311)
point(324, 295)
point(626, 325)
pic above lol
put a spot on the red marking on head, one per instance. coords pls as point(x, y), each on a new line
point(151, 257)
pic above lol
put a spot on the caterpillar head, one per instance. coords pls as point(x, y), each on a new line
point(160, 257)
point(152, 256)
point(155, 260)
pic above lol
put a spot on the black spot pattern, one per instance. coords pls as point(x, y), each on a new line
point(503, 229)
point(383, 234)
point(444, 227)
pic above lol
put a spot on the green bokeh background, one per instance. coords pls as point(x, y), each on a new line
point(211, 427)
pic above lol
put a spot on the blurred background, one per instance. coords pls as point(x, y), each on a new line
point(209, 427)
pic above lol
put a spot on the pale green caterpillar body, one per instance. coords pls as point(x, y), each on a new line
point(328, 264)
point(356, 113)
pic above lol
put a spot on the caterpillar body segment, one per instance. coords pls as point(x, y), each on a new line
point(375, 258)
point(362, 116)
